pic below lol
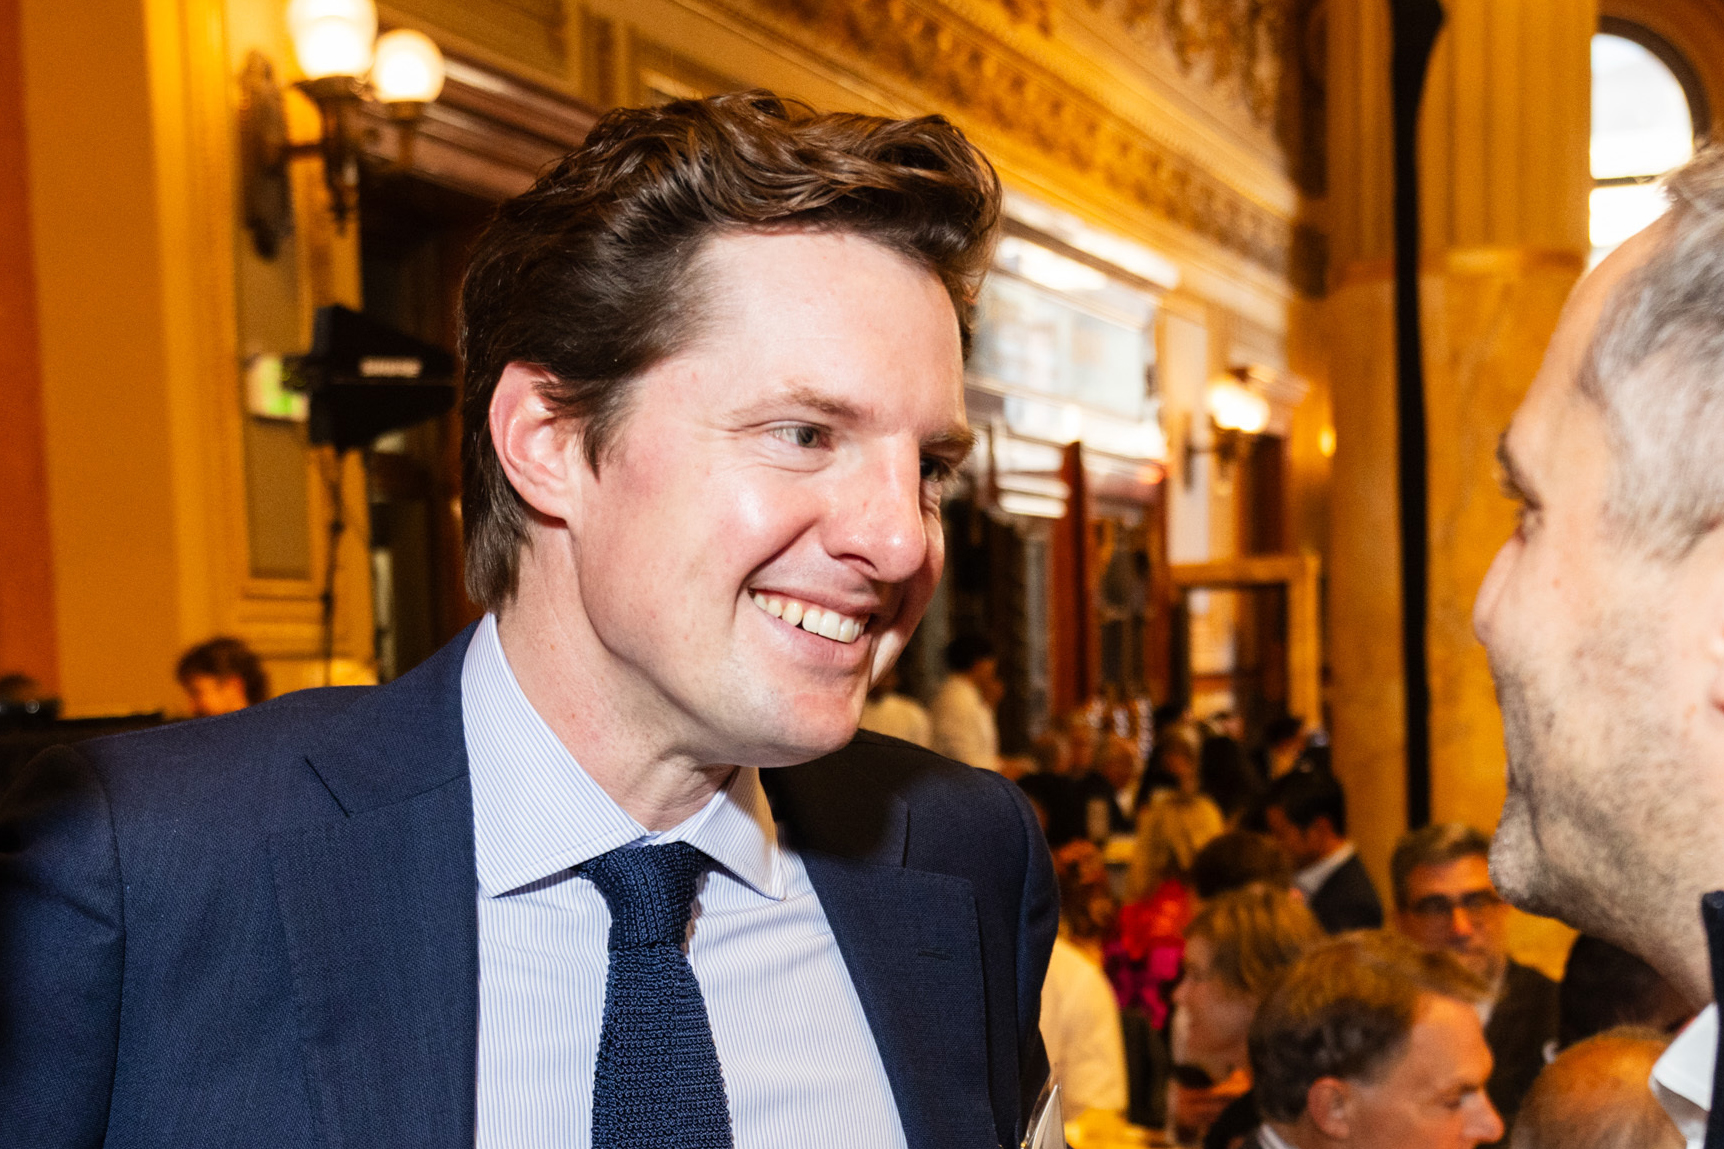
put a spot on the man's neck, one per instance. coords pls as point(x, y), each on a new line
point(1331, 846)
point(1497, 977)
point(1326, 854)
point(630, 755)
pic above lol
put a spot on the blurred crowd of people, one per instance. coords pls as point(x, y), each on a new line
point(1227, 972)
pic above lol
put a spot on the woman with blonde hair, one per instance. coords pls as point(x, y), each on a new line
point(1142, 958)
point(1171, 829)
point(1237, 946)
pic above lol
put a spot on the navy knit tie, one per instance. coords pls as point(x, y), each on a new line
point(657, 1084)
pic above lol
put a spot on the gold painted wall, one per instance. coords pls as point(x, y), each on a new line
point(107, 369)
point(128, 118)
point(27, 632)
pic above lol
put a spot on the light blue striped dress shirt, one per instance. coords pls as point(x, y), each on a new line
point(800, 1064)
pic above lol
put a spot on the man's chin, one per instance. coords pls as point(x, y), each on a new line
point(1519, 869)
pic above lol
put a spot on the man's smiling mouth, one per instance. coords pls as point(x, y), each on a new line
point(815, 620)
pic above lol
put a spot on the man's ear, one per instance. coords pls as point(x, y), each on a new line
point(1327, 1101)
point(538, 448)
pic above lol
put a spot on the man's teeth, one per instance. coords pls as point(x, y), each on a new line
point(813, 619)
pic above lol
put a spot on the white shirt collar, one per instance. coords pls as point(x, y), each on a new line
point(1682, 1077)
point(1311, 878)
point(1270, 1139)
point(536, 813)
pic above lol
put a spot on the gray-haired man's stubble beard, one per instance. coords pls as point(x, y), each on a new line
point(1599, 824)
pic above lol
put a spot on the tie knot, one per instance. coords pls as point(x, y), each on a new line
point(650, 890)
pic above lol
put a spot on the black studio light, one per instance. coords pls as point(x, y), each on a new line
point(366, 379)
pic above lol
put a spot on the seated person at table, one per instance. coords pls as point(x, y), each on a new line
point(1172, 764)
point(1596, 1096)
point(1225, 773)
point(221, 676)
point(961, 715)
point(1235, 948)
point(1080, 1019)
point(896, 715)
point(1235, 860)
point(1373, 1043)
point(1143, 956)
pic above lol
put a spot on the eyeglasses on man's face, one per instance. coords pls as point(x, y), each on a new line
point(1475, 904)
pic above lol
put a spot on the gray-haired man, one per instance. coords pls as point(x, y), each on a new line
point(1604, 619)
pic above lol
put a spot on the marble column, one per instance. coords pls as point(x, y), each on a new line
point(1504, 182)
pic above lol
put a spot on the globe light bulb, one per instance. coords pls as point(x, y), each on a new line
point(408, 68)
point(332, 37)
point(1235, 407)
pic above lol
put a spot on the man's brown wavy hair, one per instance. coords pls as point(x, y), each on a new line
point(593, 275)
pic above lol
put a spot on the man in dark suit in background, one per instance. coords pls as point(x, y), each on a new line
point(1444, 900)
point(612, 867)
point(1307, 816)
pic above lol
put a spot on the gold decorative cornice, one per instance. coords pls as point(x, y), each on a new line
point(1241, 45)
point(976, 77)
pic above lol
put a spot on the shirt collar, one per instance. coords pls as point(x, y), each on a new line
point(1311, 878)
point(1682, 1077)
point(536, 813)
point(1270, 1138)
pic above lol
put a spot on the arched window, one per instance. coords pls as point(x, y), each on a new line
point(1644, 122)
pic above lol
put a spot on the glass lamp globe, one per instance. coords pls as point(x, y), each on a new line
point(1235, 407)
point(408, 68)
point(332, 37)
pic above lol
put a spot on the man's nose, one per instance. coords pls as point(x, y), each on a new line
point(1460, 921)
point(1484, 605)
point(1487, 1125)
point(878, 515)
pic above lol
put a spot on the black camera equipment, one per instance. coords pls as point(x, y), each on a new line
point(363, 379)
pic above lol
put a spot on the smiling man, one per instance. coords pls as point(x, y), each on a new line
point(1604, 620)
point(613, 868)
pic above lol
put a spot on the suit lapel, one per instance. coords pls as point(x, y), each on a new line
point(912, 945)
point(910, 942)
point(379, 912)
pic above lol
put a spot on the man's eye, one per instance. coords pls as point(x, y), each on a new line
point(936, 470)
point(801, 434)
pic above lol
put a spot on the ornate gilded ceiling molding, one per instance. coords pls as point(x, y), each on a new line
point(1238, 46)
point(963, 70)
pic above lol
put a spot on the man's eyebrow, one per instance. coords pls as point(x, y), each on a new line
point(815, 400)
point(957, 442)
point(1513, 479)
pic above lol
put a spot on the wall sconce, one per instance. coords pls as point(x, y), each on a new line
point(346, 65)
point(1237, 414)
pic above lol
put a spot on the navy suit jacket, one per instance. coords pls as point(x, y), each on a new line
point(1348, 900)
point(262, 930)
